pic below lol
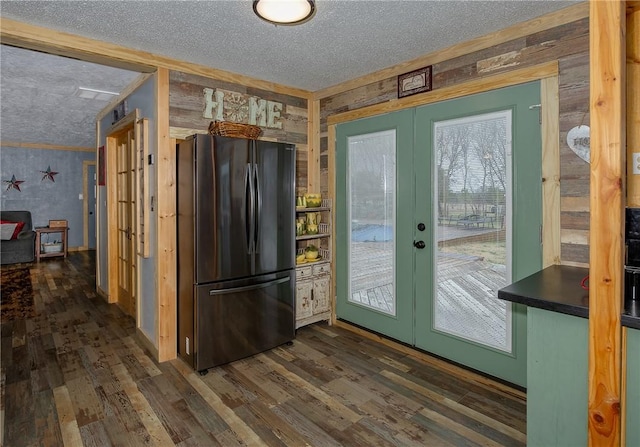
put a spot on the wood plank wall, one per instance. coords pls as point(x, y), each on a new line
point(186, 103)
point(569, 45)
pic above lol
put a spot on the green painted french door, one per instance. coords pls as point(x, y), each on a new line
point(437, 208)
point(375, 224)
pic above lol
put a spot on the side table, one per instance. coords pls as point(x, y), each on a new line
point(46, 230)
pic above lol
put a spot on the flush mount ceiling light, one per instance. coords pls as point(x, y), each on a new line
point(284, 12)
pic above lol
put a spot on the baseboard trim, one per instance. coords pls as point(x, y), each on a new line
point(147, 344)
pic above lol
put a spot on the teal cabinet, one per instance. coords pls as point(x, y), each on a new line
point(633, 387)
point(557, 379)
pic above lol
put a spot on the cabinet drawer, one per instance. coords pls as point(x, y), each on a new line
point(321, 269)
point(304, 272)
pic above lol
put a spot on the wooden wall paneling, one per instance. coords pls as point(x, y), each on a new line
point(186, 105)
point(575, 204)
point(607, 86)
point(550, 172)
point(302, 155)
point(514, 77)
point(552, 20)
point(574, 220)
point(578, 237)
point(633, 103)
point(564, 43)
point(165, 254)
point(313, 152)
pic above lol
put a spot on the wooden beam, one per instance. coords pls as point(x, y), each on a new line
point(550, 171)
point(633, 102)
point(51, 41)
point(165, 254)
point(607, 82)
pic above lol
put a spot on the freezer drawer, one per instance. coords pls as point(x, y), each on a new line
point(242, 318)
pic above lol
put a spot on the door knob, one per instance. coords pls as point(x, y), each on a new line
point(419, 244)
point(421, 226)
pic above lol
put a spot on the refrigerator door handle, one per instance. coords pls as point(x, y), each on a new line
point(258, 193)
point(248, 208)
point(251, 287)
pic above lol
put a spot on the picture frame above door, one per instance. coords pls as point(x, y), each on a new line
point(416, 81)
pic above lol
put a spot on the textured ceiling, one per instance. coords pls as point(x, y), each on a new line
point(346, 39)
point(39, 102)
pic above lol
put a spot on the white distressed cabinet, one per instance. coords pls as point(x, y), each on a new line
point(313, 293)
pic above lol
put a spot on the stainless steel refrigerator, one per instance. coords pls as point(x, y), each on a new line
point(236, 248)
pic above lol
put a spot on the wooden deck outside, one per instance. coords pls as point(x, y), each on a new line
point(467, 303)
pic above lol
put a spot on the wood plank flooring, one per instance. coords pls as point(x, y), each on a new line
point(73, 374)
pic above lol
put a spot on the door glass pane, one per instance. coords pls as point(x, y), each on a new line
point(371, 206)
point(471, 208)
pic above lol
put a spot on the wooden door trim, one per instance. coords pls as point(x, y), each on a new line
point(547, 74)
point(165, 243)
point(484, 84)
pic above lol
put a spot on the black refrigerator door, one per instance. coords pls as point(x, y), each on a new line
point(275, 200)
point(236, 319)
point(224, 203)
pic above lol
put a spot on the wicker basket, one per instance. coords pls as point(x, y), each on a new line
point(238, 130)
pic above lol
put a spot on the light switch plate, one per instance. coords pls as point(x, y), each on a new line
point(636, 163)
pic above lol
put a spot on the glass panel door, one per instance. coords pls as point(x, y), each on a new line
point(374, 262)
point(472, 248)
point(371, 203)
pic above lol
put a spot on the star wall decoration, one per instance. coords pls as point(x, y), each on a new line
point(13, 183)
point(48, 174)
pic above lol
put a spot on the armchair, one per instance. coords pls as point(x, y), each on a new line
point(20, 248)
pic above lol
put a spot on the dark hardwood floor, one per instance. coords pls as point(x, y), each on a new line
point(73, 374)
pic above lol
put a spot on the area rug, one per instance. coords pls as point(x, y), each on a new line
point(16, 295)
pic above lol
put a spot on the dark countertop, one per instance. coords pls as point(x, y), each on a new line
point(557, 288)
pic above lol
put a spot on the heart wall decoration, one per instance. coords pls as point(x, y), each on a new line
point(579, 142)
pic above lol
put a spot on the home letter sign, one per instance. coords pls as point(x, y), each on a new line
point(225, 105)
